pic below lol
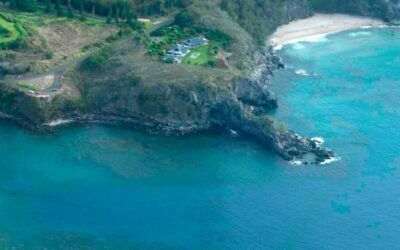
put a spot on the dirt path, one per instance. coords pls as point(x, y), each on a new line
point(58, 72)
point(223, 55)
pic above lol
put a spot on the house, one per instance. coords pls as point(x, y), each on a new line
point(177, 53)
point(195, 42)
point(179, 50)
point(173, 58)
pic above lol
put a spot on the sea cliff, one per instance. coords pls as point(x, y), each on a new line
point(176, 99)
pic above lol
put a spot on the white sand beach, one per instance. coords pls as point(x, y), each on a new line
point(317, 27)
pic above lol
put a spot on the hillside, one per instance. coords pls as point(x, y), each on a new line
point(107, 65)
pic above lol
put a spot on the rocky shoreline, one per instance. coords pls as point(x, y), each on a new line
point(287, 144)
point(242, 108)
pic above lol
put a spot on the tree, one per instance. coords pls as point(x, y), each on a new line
point(212, 64)
point(13, 4)
point(58, 4)
point(60, 11)
point(70, 13)
point(26, 5)
point(117, 13)
point(93, 6)
point(186, 18)
point(129, 17)
point(48, 6)
point(109, 18)
point(81, 9)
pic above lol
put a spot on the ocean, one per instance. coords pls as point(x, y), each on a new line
point(95, 187)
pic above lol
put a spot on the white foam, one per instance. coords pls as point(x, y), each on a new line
point(315, 38)
point(297, 42)
point(296, 162)
point(302, 72)
point(318, 140)
point(360, 33)
point(58, 122)
point(298, 46)
point(278, 47)
point(330, 160)
point(366, 27)
point(233, 132)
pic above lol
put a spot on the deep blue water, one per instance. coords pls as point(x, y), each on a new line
point(107, 187)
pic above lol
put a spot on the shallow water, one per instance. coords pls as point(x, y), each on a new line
point(107, 187)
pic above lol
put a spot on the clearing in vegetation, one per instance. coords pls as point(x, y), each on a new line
point(52, 39)
point(164, 38)
point(37, 84)
point(201, 56)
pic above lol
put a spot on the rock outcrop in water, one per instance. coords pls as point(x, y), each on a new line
point(173, 99)
point(254, 95)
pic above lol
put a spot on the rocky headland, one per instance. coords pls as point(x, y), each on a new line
point(129, 88)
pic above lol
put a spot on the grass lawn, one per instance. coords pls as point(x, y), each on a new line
point(28, 86)
point(41, 17)
point(148, 25)
point(94, 21)
point(87, 20)
point(199, 56)
point(10, 27)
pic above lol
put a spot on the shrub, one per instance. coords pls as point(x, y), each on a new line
point(186, 18)
point(169, 60)
point(48, 55)
point(26, 5)
point(60, 12)
point(217, 36)
point(70, 14)
point(161, 32)
point(5, 32)
point(134, 80)
point(240, 65)
point(94, 62)
point(212, 63)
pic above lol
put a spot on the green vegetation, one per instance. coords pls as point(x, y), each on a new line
point(201, 56)
point(216, 36)
point(148, 25)
point(360, 7)
point(175, 34)
point(169, 36)
point(260, 18)
point(95, 61)
point(119, 10)
point(12, 32)
point(9, 32)
point(14, 28)
point(28, 86)
point(26, 5)
point(154, 21)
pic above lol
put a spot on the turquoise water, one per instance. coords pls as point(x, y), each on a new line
point(106, 187)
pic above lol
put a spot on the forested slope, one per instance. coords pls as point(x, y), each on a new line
point(258, 17)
